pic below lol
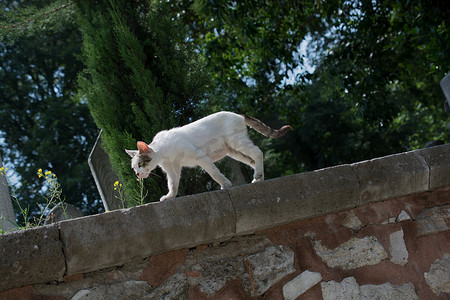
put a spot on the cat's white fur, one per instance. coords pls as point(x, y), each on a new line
point(201, 143)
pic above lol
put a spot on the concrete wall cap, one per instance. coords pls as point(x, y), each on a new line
point(31, 256)
point(391, 176)
point(283, 200)
point(112, 238)
point(438, 160)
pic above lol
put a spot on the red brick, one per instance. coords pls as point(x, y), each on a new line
point(162, 266)
point(75, 277)
point(25, 293)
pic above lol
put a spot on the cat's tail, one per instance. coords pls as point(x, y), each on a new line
point(264, 129)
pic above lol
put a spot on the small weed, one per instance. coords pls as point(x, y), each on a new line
point(141, 191)
point(53, 197)
point(118, 187)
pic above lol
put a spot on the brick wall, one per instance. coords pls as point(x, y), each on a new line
point(377, 229)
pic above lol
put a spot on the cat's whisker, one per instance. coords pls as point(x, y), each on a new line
point(154, 174)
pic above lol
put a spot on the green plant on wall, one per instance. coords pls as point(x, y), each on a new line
point(51, 194)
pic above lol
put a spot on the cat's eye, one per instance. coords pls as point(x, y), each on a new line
point(144, 162)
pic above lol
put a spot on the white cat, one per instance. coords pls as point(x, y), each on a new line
point(201, 143)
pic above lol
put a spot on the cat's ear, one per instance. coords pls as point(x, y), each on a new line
point(131, 153)
point(143, 148)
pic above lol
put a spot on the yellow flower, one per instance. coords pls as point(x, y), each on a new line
point(117, 185)
point(48, 173)
point(39, 172)
point(3, 170)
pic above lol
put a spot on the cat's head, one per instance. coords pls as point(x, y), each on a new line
point(141, 160)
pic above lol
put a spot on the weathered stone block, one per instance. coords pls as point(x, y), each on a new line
point(445, 86)
point(175, 287)
point(354, 253)
point(433, 220)
point(438, 160)
point(388, 291)
point(403, 216)
point(254, 260)
point(131, 289)
point(268, 267)
point(110, 239)
point(104, 176)
point(300, 284)
point(283, 200)
point(30, 256)
point(348, 289)
point(391, 176)
point(7, 216)
point(352, 221)
point(438, 277)
point(397, 248)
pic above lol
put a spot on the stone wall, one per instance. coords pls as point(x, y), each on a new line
point(7, 216)
point(377, 229)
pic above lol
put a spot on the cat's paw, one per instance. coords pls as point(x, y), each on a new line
point(258, 177)
point(227, 184)
point(166, 197)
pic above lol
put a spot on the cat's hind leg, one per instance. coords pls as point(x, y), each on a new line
point(241, 157)
point(244, 150)
point(206, 164)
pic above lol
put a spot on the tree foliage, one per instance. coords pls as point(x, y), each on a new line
point(375, 86)
point(141, 78)
point(22, 19)
point(252, 46)
point(42, 126)
point(376, 89)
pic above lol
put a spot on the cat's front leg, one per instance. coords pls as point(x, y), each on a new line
point(173, 191)
point(173, 173)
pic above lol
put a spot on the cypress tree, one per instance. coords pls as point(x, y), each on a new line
point(141, 76)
